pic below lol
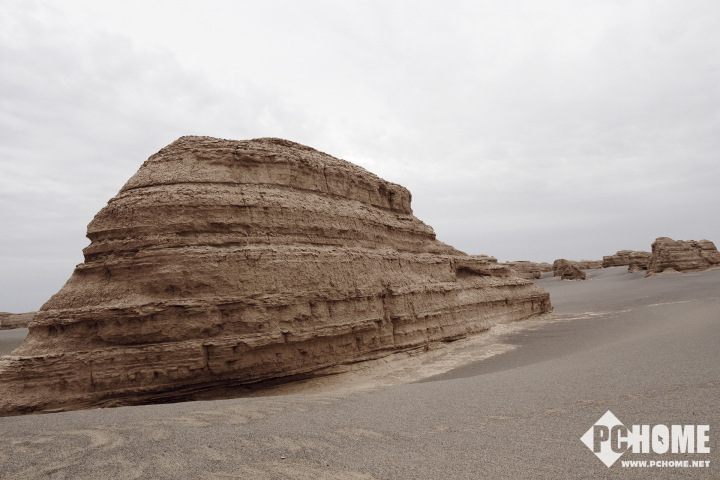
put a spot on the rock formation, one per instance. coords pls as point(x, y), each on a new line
point(529, 270)
point(670, 255)
point(589, 264)
point(561, 264)
point(620, 259)
point(222, 263)
point(572, 272)
point(638, 261)
point(9, 321)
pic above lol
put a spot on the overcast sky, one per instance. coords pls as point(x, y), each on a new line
point(524, 130)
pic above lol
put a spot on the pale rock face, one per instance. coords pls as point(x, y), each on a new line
point(222, 263)
point(682, 256)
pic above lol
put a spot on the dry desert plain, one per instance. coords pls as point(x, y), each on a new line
point(509, 403)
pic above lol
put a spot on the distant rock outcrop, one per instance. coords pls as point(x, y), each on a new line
point(9, 321)
point(222, 263)
point(589, 264)
point(572, 272)
point(634, 259)
point(639, 261)
point(529, 270)
point(561, 264)
point(670, 255)
point(620, 259)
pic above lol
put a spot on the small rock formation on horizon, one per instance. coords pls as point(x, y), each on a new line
point(529, 270)
point(559, 265)
point(624, 257)
point(9, 321)
point(572, 272)
point(670, 255)
point(638, 260)
point(222, 263)
point(589, 264)
point(619, 259)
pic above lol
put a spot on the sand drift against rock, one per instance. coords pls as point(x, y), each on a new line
point(222, 263)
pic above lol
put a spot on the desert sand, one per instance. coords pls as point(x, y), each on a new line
point(509, 403)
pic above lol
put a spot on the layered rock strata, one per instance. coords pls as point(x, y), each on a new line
point(670, 255)
point(639, 261)
point(222, 263)
point(529, 270)
point(619, 259)
point(10, 321)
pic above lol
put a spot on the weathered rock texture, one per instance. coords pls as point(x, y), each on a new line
point(9, 321)
point(572, 272)
point(682, 256)
point(561, 264)
point(222, 263)
point(639, 261)
point(529, 270)
point(620, 259)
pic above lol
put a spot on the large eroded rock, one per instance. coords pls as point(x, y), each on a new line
point(682, 256)
point(222, 263)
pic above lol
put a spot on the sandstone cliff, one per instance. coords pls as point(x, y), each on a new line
point(670, 255)
point(9, 321)
point(222, 263)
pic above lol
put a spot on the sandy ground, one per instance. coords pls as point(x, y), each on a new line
point(512, 403)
